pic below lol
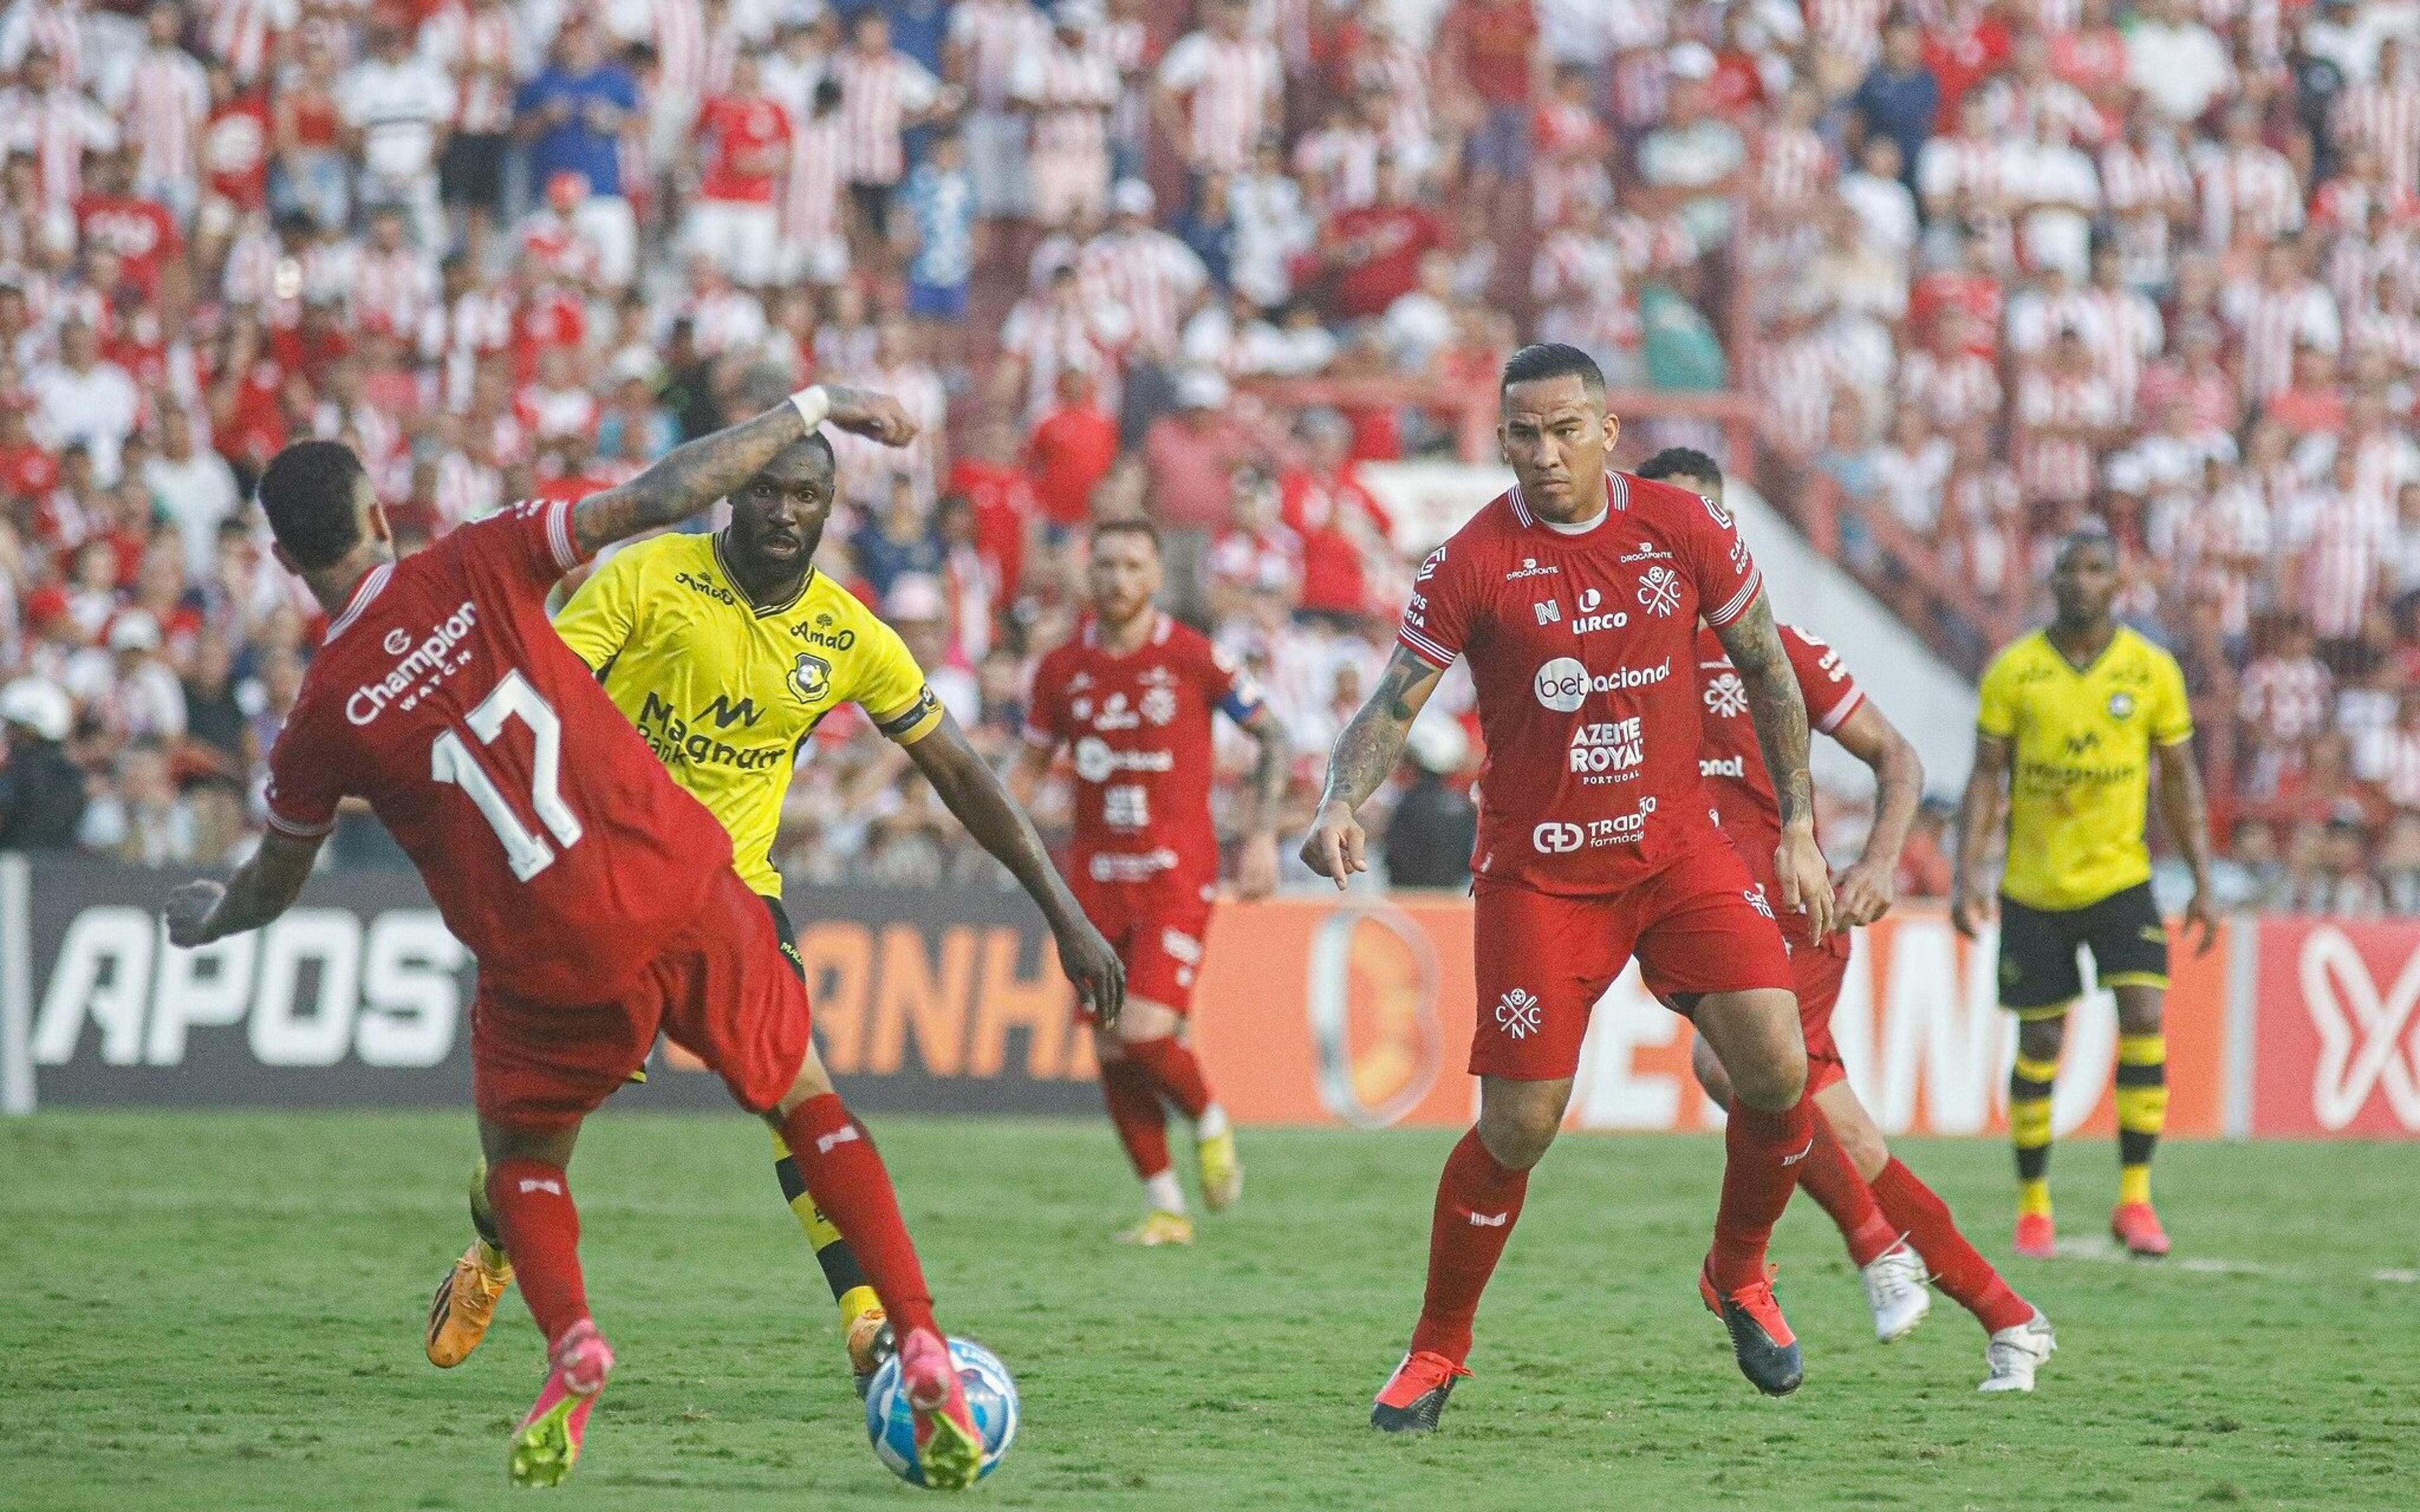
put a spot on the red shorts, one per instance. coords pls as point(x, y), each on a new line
point(721, 990)
point(1158, 934)
point(1542, 960)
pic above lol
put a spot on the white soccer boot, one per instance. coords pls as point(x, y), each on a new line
point(1896, 1290)
point(2015, 1354)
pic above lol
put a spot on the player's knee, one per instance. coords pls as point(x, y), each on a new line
point(812, 1082)
point(1518, 1134)
point(1858, 1136)
point(1708, 1068)
point(2138, 1010)
point(2040, 1039)
point(1775, 1078)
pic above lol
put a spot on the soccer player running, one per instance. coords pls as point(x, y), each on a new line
point(2073, 718)
point(726, 651)
point(1134, 692)
point(1576, 598)
point(1879, 1204)
point(597, 896)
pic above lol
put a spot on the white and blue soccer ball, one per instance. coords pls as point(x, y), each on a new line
point(991, 1397)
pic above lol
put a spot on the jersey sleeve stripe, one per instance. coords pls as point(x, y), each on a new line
point(1739, 601)
point(905, 725)
point(301, 831)
point(1426, 649)
point(1841, 711)
point(559, 536)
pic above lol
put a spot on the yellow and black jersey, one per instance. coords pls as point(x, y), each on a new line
point(726, 693)
point(2080, 759)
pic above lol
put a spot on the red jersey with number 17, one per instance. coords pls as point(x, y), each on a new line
point(1730, 760)
point(554, 842)
point(1140, 728)
point(1583, 648)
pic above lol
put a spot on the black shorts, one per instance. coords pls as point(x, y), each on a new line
point(472, 170)
point(789, 938)
point(2037, 968)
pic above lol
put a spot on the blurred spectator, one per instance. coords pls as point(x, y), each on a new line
point(1433, 826)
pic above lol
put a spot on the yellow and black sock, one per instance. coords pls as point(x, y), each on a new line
point(847, 1278)
point(2029, 1086)
point(2142, 1110)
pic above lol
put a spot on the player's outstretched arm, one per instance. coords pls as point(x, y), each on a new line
point(263, 888)
point(969, 789)
point(1978, 815)
point(1256, 864)
point(1366, 751)
point(1867, 889)
point(1778, 711)
point(2186, 813)
point(695, 474)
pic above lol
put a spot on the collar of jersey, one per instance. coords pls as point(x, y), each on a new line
point(1616, 498)
point(723, 565)
point(371, 583)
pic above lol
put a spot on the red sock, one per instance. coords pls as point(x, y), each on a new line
point(1831, 1177)
point(1955, 1264)
point(1135, 1108)
point(1763, 1156)
point(532, 1202)
point(1478, 1202)
point(846, 1175)
point(1175, 1071)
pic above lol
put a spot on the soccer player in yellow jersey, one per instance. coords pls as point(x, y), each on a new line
point(726, 651)
point(2074, 719)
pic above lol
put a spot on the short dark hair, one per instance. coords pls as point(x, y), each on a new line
point(1681, 462)
point(1128, 525)
point(1553, 359)
point(307, 493)
point(2086, 534)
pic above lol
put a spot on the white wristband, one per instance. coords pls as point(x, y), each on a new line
point(813, 405)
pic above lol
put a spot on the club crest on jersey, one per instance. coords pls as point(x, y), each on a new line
point(2121, 704)
point(810, 677)
point(1159, 704)
point(1727, 696)
point(1519, 1014)
point(1659, 592)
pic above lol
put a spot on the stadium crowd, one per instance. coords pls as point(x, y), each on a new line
point(1981, 269)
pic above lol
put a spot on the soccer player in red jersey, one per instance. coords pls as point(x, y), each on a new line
point(1575, 598)
point(597, 897)
point(1879, 1204)
point(1133, 691)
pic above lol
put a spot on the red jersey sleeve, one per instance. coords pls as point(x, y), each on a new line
point(304, 785)
point(1716, 557)
point(531, 542)
point(1437, 616)
point(1831, 694)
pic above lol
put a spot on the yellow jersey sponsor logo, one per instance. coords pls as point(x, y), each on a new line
point(703, 739)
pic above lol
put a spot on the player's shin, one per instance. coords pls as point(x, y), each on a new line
point(1957, 1267)
point(2029, 1091)
point(1763, 1153)
point(1478, 1201)
point(850, 1288)
point(1830, 1176)
point(532, 1202)
point(846, 1175)
point(2142, 1110)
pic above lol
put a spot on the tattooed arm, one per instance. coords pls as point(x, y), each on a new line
point(1367, 751)
point(691, 477)
point(1779, 712)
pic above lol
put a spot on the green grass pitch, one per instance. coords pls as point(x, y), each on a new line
point(224, 1311)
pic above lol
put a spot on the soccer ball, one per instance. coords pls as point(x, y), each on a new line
point(991, 1397)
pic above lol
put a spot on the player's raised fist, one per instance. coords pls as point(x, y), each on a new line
point(1336, 846)
point(1098, 975)
point(876, 416)
point(188, 913)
